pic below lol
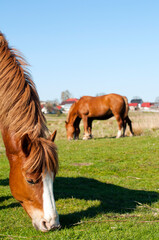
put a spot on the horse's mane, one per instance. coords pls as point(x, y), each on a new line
point(71, 110)
point(20, 110)
point(43, 156)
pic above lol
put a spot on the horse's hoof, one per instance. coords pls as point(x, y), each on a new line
point(85, 138)
point(91, 136)
point(132, 135)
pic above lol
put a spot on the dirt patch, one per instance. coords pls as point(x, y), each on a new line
point(82, 164)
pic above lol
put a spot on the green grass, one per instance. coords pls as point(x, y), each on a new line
point(106, 188)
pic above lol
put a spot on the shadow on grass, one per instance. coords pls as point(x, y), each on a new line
point(4, 182)
point(105, 137)
point(113, 137)
point(113, 198)
point(2, 199)
point(11, 205)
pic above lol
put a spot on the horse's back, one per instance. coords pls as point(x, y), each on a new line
point(116, 103)
point(93, 106)
point(100, 105)
point(114, 99)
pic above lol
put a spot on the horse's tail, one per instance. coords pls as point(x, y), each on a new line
point(126, 106)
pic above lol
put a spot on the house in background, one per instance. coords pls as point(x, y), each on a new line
point(49, 107)
point(135, 103)
point(43, 107)
point(133, 106)
point(67, 104)
point(138, 104)
point(44, 110)
point(147, 105)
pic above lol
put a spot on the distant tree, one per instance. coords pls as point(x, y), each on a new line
point(136, 97)
point(49, 107)
point(65, 95)
point(100, 94)
point(157, 99)
point(55, 101)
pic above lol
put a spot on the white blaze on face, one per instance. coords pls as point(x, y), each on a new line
point(49, 207)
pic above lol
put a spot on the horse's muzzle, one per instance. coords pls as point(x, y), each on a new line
point(45, 226)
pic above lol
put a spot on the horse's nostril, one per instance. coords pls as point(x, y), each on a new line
point(44, 224)
point(47, 226)
point(54, 227)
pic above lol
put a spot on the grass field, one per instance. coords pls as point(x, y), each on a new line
point(106, 188)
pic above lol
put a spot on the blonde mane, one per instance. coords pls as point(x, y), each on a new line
point(20, 110)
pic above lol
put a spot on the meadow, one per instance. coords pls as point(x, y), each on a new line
point(106, 188)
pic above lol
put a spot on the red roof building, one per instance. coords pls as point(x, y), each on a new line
point(69, 101)
point(67, 104)
point(58, 107)
point(133, 104)
point(146, 104)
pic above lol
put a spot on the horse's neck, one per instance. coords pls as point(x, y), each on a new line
point(72, 118)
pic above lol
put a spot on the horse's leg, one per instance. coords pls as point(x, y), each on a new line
point(130, 126)
point(124, 127)
point(85, 123)
point(77, 129)
point(120, 125)
point(90, 127)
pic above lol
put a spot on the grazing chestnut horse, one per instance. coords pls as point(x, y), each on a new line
point(30, 148)
point(102, 107)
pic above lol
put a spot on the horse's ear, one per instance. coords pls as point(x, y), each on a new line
point(53, 135)
point(26, 144)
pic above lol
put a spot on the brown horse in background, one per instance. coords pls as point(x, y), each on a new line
point(102, 107)
point(29, 146)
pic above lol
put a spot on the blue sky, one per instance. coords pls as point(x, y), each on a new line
point(87, 46)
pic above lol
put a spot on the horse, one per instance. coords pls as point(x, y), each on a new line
point(103, 107)
point(29, 145)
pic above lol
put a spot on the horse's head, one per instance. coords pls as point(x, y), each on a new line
point(33, 166)
point(72, 131)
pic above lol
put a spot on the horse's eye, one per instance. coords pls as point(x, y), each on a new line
point(30, 181)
